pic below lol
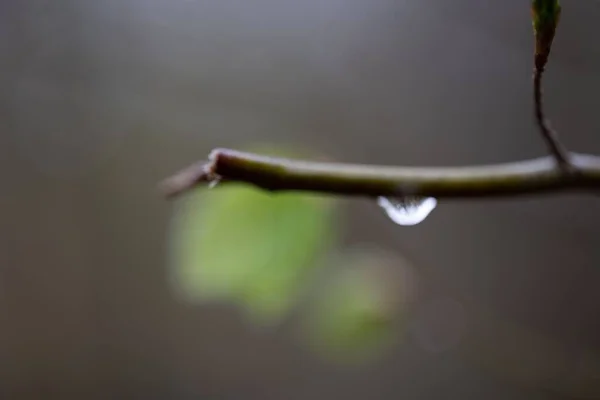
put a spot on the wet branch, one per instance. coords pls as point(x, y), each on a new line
point(561, 171)
point(531, 177)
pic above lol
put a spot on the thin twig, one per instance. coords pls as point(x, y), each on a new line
point(531, 177)
point(558, 151)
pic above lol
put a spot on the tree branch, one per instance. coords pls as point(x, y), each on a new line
point(531, 177)
point(550, 136)
point(562, 171)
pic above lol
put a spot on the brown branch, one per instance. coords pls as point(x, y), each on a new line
point(575, 171)
point(532, 177)
point(545, 17)
point(558, 151)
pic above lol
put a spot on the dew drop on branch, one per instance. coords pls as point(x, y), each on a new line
point(407, 211)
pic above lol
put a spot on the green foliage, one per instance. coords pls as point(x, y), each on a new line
point(545, 17)
point(259, 250)
point(237, 243)
point(546, 14)
point(353, 319)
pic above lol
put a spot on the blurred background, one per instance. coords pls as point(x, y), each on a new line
point(101, 100)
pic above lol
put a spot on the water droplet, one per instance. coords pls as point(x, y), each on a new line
point(407, 210)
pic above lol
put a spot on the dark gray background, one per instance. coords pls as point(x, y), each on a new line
point(102, 99)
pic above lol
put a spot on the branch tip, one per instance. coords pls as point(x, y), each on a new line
point(187, 178)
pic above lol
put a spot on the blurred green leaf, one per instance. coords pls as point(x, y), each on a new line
point(354, 317)
point(238, 243)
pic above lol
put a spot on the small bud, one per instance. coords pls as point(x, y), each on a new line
point(545, 17)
